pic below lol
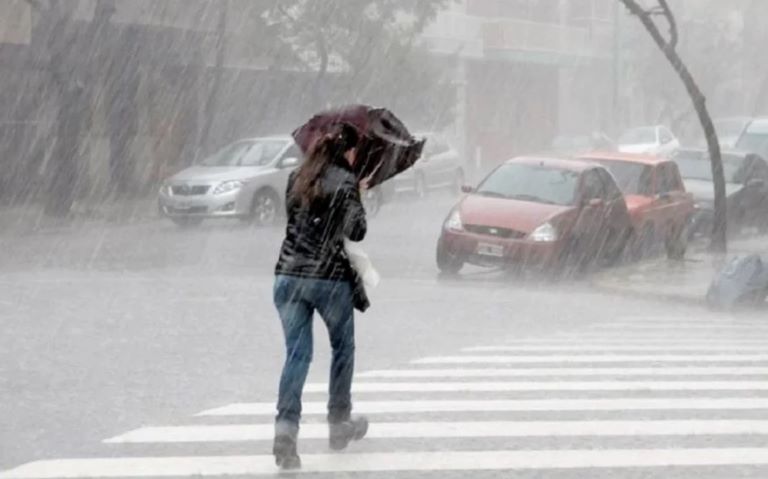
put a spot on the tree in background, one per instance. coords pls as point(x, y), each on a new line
point(668, 47)
point(366, 51)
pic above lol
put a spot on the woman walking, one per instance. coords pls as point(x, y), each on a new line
point(313, 274)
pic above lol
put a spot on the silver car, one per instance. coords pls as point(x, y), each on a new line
point(439, 167)
point(245, 180)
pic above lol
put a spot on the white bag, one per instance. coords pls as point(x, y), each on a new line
point(362, 264)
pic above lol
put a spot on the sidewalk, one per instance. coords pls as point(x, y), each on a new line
point(680, 281)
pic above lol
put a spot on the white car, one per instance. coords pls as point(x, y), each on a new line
point(440, 166)
point(653, 140)
point(244, 180)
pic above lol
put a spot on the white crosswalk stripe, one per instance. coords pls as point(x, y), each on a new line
point(634, 378)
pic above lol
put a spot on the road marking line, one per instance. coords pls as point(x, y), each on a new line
point(679, 328)
point(451, 429)
point(583, 358)
point(549, 405)
point(390, 462)
point(617, 340)
point(550, 386)
point(613, 348)
point(564, 371)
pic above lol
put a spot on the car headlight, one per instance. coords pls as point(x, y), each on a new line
point(545, 233)
point(165, 189)
point(453, 222)
point(228, 186)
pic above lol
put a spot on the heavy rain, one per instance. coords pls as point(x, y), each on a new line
point(383, 238)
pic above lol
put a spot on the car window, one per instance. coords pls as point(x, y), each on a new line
point(293, 152)
point(592, 186)
point(668, 178)
point(246, 153)
point(632, 178)
point(754, 142)
point(531, 182)
point(700, 169)
point(436, 146)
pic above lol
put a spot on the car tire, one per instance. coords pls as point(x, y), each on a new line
point(448, 263)
point(420, 186)
point(265, 208)
point(676, 242)
point(186, 221)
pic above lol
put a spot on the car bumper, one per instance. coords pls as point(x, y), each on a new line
point(227, 205)
point(511, 253)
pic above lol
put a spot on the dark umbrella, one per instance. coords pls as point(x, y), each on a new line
point(386, 147)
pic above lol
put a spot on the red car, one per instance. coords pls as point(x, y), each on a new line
point(544, 213)
point(658, 204)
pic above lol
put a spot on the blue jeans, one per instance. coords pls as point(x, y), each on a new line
point(297, 299)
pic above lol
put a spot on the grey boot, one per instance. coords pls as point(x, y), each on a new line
point(342, 433)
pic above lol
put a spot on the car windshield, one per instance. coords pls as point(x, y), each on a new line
point(246, 153)
point(632, 178)
point(638, 136)
point(754, 142)
point(729, 127)
point(534, 183)
point(700, 168)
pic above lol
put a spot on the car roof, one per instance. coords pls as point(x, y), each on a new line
point(554, 163)
point(650, 160)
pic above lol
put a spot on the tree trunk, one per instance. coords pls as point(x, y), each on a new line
point(719, 228)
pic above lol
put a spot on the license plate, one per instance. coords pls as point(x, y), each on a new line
point(183, 206)
point(487, 249)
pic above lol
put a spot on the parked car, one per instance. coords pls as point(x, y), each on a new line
point(754, 138)
point(659, 206)
point(746, 188)
point(729, 130)
point(654, 140)
point(546, 214)
point(440, 166)
point(244, 180)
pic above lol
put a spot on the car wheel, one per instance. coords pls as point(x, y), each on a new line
point(186, 221)
point(372, 201)
point(264, 208)
point(448, 263)
point(420, 186)
point(676, 242)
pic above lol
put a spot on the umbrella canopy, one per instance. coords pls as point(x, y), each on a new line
point(386, 147)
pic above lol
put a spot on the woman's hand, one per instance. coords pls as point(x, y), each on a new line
point(365, 184)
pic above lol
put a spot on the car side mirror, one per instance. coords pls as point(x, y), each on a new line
point(595, 203)
point(467, 189)
point(289, 162)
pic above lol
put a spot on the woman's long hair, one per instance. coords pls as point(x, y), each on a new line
point(329, 149)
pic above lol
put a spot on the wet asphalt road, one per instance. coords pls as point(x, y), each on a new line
point(108, 328)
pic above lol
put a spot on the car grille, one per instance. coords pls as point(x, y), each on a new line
point(505, 233)
point(195, 210)
point(189, 190)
